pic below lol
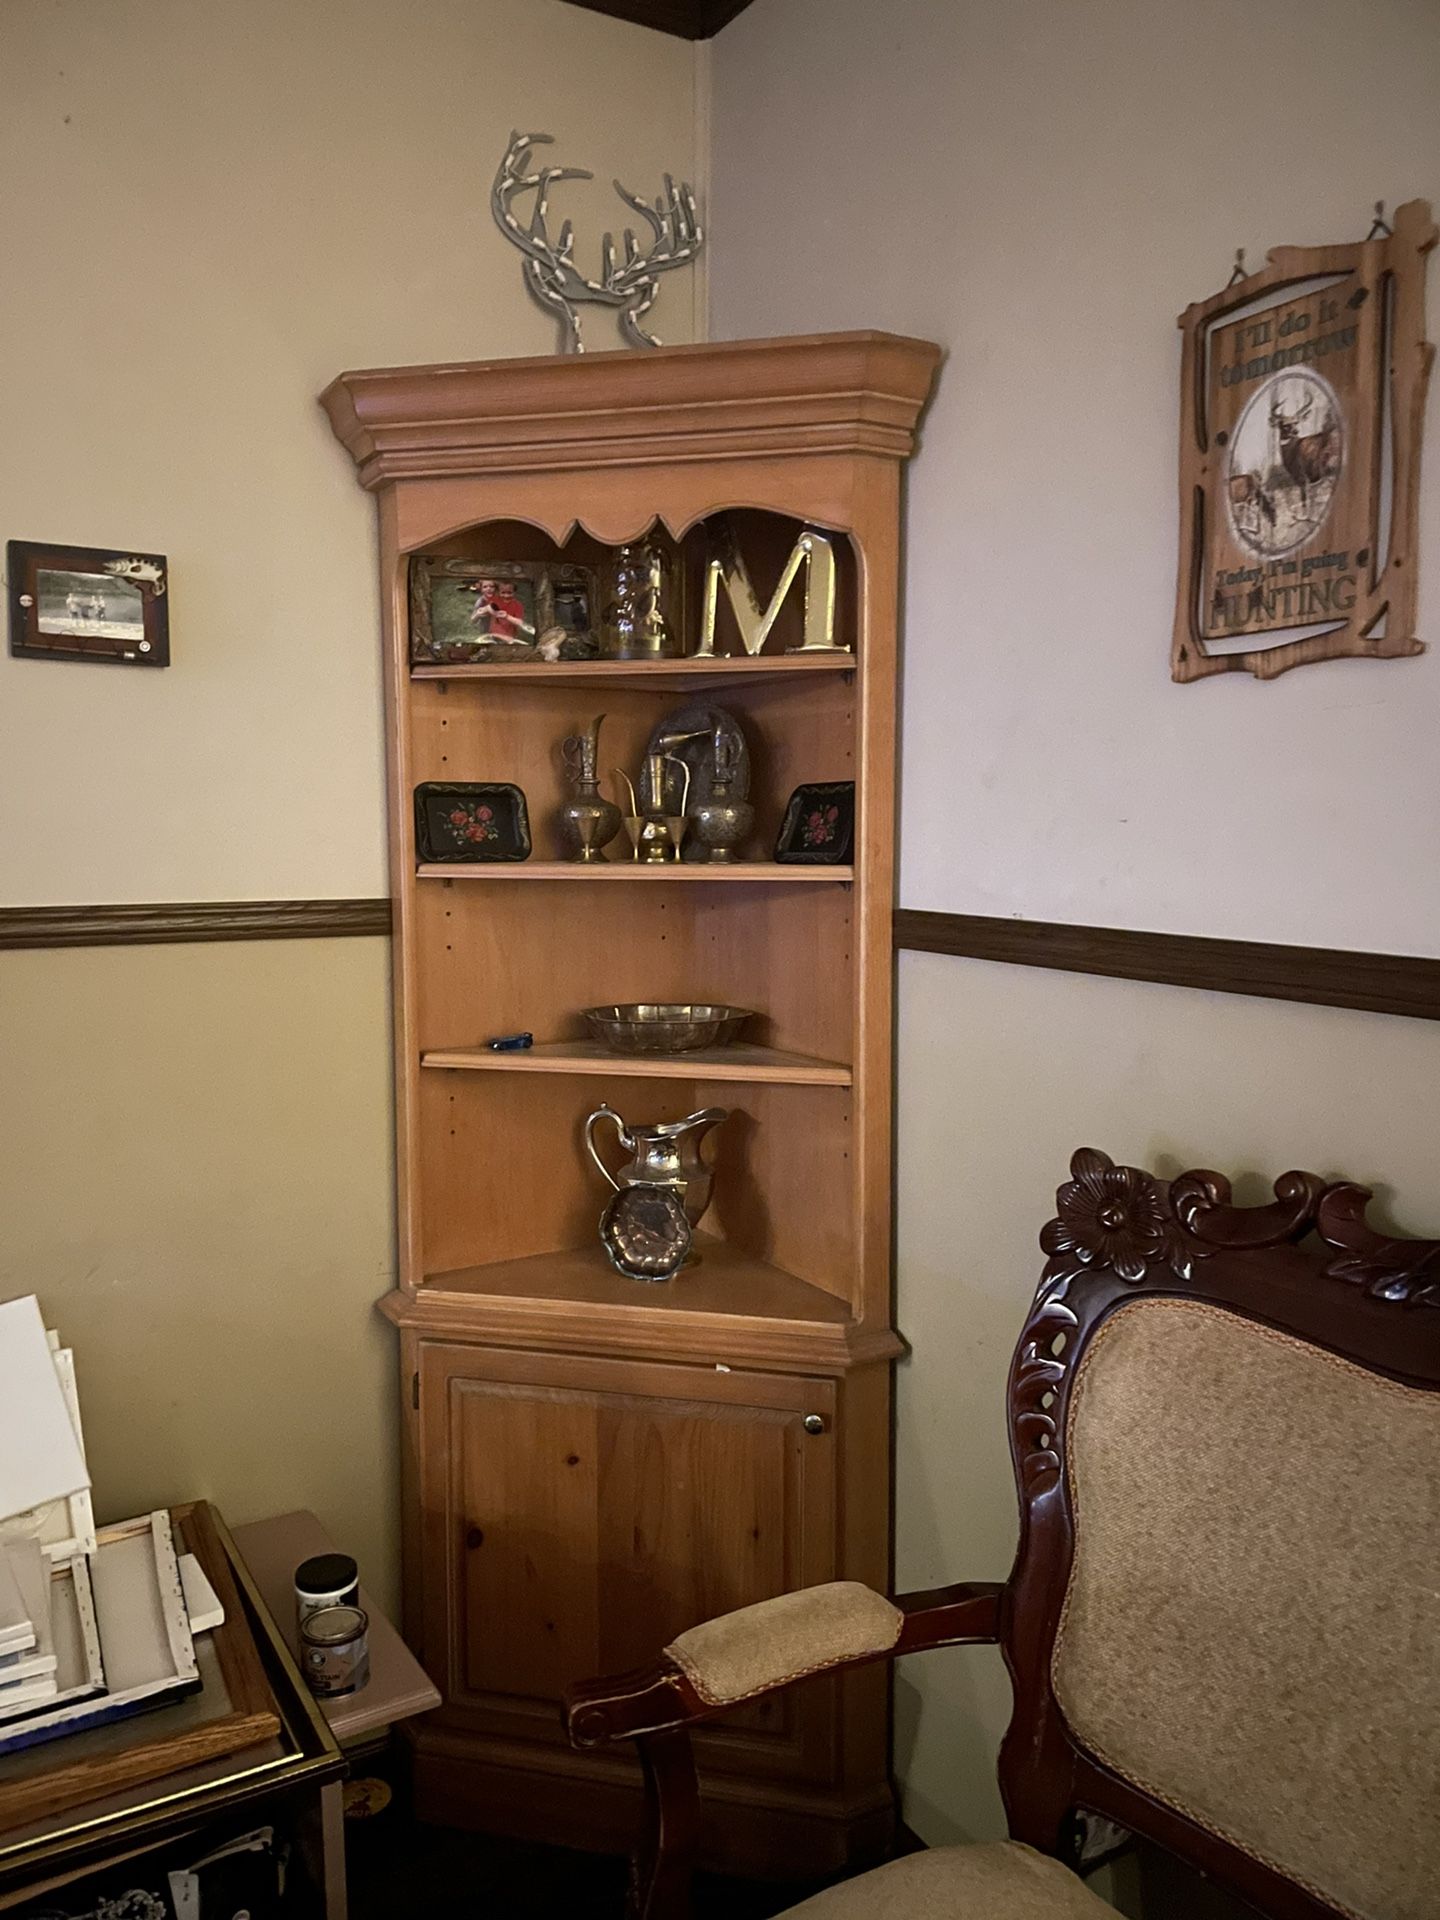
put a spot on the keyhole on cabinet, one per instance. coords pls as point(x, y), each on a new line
point(474, 1538)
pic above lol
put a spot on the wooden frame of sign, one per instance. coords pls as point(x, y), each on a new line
point(1302, 400)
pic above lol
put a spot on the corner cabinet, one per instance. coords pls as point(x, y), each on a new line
point(592, 1464)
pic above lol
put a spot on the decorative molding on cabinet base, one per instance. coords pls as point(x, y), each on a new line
point(1319, 976)
point(469, 1774)
point(638, 1332)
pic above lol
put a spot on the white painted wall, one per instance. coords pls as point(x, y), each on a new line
point(1043, 188)
point(207, 210)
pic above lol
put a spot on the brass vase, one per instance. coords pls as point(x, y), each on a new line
point(633, 626)
point(722, 821)
point(721, 824)
point(588, 822)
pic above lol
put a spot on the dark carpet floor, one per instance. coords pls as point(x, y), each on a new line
point(400, 1869)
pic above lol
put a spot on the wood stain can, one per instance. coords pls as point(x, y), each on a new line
point(335, 1650)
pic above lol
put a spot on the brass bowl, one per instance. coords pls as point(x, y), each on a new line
point(643, 1027)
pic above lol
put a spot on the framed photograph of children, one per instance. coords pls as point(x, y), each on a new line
point(88, 603)
point(476, 612)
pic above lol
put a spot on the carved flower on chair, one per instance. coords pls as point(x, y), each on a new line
point(1114, 1219)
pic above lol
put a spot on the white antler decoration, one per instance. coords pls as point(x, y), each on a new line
point(628, 282)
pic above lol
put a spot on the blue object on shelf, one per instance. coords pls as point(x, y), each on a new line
point(512, 1042)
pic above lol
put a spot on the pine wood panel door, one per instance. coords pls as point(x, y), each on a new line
point(578, 1513)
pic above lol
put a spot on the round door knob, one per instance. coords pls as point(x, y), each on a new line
point(474, 1538)
point(814, 1423)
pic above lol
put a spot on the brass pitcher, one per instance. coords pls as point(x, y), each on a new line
point(664, 1155)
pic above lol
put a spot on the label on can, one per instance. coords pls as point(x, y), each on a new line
point(335, 1651)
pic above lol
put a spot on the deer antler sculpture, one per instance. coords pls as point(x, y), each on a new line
point(628, 280)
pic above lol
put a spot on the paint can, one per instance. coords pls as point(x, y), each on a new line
point(325, 1580)
point(335, 1651)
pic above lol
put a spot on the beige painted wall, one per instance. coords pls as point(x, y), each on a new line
point(208, 210)
point(1043, 188)
point(195, 1177)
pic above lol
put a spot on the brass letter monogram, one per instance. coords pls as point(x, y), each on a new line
point(814, 553)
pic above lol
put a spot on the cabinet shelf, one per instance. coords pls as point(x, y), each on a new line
point(737, 1062)
point(660, 674)
point(726, 1282)
point(669, 874)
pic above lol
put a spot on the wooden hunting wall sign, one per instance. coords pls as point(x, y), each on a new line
point(1302, 406)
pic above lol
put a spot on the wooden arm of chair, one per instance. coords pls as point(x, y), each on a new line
point(739, 1657)
point(763, 1649)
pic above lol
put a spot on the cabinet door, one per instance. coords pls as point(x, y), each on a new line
point(579, 1513)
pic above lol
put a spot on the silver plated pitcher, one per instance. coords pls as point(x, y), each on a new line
point(666, 1154)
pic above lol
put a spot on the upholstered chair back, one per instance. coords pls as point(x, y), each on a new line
point(1250, 1629)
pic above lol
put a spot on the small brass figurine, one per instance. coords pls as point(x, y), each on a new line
point(589, 822)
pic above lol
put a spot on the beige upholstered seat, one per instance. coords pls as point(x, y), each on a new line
point(1001, 1882)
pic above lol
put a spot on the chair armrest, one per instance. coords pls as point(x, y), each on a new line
point(765, 1648)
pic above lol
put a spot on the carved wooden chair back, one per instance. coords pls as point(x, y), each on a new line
point(1222, 1623)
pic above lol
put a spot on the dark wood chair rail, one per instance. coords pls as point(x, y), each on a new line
point(147, 924)
point(1393, 983)
point(1319, 976)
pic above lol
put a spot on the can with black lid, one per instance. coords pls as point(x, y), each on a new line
point(325, 1580)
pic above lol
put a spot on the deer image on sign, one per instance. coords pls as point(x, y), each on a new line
point(1302, 401)
point(629, 278)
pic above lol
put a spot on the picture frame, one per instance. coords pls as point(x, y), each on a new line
point(467, 612)
point(106, 605)
point(1302, 409)
point(458, 822)
point(819, 825)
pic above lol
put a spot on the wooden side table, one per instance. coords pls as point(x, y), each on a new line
point(297, 1773)
point(399, 1687)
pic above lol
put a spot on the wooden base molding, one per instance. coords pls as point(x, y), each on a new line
point(1320, 976)
point(154, 925)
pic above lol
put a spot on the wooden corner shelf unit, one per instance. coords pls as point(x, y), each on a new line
point(591, 1464)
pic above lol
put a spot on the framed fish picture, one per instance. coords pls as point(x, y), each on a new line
point(1302, 402)
point(97, 604)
